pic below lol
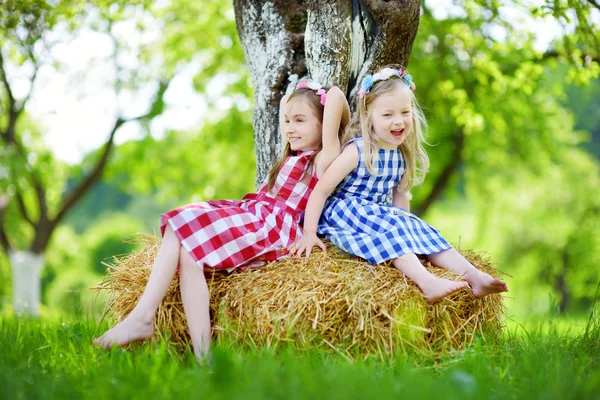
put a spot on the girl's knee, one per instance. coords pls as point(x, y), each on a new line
point(442, 254)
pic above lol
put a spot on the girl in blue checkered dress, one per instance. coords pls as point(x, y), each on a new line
point(383, 156)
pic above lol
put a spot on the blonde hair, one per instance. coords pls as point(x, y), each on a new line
point(314, 101)
point(413, 151)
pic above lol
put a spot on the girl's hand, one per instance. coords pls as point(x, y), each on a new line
point(308, 241)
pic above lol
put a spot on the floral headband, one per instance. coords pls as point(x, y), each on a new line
point(316, 87)
point(384, 75)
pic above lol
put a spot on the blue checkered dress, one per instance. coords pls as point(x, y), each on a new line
point(358, 218)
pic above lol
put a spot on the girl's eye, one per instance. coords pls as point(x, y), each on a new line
point(300, 120)
point(387, 115)
point(406, 112)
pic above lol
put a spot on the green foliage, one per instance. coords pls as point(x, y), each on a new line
point(147, 211)
point(30, 20)
point(581, 44)
point(20, 177)
point(104, 196)
point(552, 227)
point(70, 293)
point(585, 103)
point(500, 130)
point(110, 236)
point(74, 262)
point(216, 162)
point(65, 254)
point(490, 104)
point(205, 33)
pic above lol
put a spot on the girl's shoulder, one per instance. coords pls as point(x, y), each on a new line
point(358, 142)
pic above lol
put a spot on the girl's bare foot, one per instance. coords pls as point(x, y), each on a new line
point(484, 284)
point(438, 288)
point(127, 331)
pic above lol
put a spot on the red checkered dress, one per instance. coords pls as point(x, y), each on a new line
point(226, 234)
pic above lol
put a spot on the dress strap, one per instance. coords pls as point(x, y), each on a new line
point(359, 143)
point(305, 153)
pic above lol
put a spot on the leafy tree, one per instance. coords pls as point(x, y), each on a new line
point(501, 135)
point(34, 203)
point(547, 227)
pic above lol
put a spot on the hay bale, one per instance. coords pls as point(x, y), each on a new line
point(332, 300)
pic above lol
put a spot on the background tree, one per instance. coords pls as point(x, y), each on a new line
point(497, 120)
point(332, 41)
point(32, 179)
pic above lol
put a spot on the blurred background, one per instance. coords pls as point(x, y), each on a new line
point(156, 97)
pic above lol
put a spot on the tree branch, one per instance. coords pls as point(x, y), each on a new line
point(594, 3)
point(22, 208)
point(37, 182)
point(560, 282)
point(10, 137)
point(3, 237)
point(13, 111)
point(32, 80)
point(11, 97)
point(443, 179)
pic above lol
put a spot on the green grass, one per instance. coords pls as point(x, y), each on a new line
point(42, 359)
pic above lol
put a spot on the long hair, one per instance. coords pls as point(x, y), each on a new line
point(314, 101)
point(415, 156)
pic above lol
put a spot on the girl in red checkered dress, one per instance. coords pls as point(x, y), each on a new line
point(229, 234)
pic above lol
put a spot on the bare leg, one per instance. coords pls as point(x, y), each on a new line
point(433, 288)
point(139, 323)
point(481, 283)
point(194, 294)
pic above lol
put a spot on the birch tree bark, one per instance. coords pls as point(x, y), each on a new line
point(331, 41)
point(26, 277)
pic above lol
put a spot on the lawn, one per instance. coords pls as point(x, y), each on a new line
point(54, 359)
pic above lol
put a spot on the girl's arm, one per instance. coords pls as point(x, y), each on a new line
point(339, 169)
point(282, 103)
point(401, 199)
point(335, 115)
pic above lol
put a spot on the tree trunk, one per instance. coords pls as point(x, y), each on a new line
point(26, 269)
point(331, 41)
point(561, 282)
point(272, 34)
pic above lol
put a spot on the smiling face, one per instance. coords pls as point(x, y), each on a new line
point(391, 116)
point(302, 126)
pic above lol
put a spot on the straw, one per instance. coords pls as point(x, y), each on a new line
point(332, 301)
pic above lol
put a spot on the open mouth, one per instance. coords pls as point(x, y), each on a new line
point(397, 133)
